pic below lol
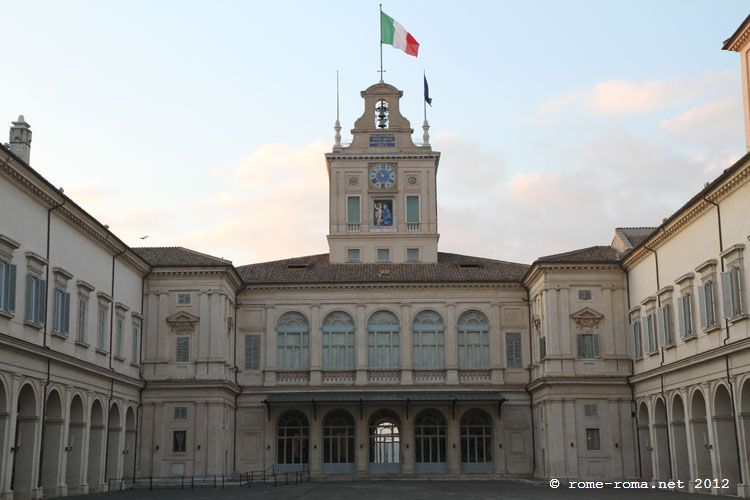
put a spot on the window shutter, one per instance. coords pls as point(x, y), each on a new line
point(11, 297)
point(352, 210)
point(703, 303)
point(66, 313)
point(594, 346)
point(29, 296)
point(681, 316)
point(581, 353)
point(183, 349)
point(726, 294)
point(252, 352)
point(41, 302)
point(739, 306)
point(661, 325)
point(631, 340)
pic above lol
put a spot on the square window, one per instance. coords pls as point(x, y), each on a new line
point(384, 254)
point(184, 299)
point(180, 412)
point(584, 294)
point(179, 441)
point(590, 410)
point(412, 254)
point(352, 255)
point(592, 439)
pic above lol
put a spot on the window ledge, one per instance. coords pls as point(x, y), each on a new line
point(135, 365)
point(59, 335)
point(689, 337)
point(711, 329)
point(6, 314)
point(653, 353)
point(82, 344)
point(118, 358)
point(739, 318)
point(33, 325)
point(669, 346)
point(101, 351)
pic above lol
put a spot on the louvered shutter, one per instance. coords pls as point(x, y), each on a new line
point(29, 296)
point(631, 340)
point(681, 317)
point(739, 306)
point(66, 313)
point(704, 308)
point(42, 302)
point(11, 296)
point(726, 294)
point(183, 349)
point(594, 346)
point(661, 325)
point(252, 352)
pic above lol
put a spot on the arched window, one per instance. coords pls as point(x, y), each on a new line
point(383, 341)
point(385, 443)
point(430, 436)
point(476, 441)
point(292, 439)
point(338, 442)
point(428, 341)
point(338, 341)
point(473, 331)
point(293, 342)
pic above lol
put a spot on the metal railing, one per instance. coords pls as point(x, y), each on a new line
point(242, 479)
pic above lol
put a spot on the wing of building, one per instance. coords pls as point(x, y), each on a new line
point(382, 358)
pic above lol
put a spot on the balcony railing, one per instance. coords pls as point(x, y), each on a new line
point(428, 376)
point(337, 377)
point(293, 377)
point(476, 376)
point(412, 227)
point(384, 376)
point(353, 228)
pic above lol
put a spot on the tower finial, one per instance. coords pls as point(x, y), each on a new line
point(337, 125)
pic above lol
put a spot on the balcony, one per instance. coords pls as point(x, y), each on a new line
point(474, 377)
point(293, 377)
point(384, 376)
point(429, 376)
point(337, 377)
point(353, 228)
point(412, 227)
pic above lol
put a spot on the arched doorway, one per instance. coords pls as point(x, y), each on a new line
point(679, 436)
point(729, 467)
point(476, 441)
point(293, 442)
point(25, 441)
point(644, 438)
point(384, 432)
point(701, 442)
point(129, 451)
point(661, 436)
point(430, 442)
point(96, 442)
point(338, 443)
point(76, 428)
point(51, 447)
point(114, 428)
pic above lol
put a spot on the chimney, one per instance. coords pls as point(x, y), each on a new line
point(740, 42)
point(20, 139)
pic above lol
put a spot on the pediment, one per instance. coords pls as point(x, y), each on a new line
point(182, 317)
point(587, 320)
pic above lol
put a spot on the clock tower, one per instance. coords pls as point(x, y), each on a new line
point(382, 188)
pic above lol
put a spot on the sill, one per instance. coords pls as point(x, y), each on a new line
point(6, 314)
point(669, 346)
point(739, 318)
point(59, 335)
point(653, 353)
point(101, 351)
point(135, 365)
point(689, 338)
point(711, 329)
point(81, 343)
point(118, 358)
point(33, 325)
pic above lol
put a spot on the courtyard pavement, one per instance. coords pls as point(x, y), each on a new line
point(398, 490)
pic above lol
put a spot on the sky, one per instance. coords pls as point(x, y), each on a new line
point(204, 124)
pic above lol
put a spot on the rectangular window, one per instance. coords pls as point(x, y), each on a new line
point(732, 293)
point(542, 347)
point(7, 287)
point(592, 439)
point(83, 310)
point(635, 339)
point(62, 311)
point(179, 441)
point(649, 325)
point(412, 255)
point(352, 255)
point(513, 358)
point(584, 294)
point(136, 344)
point(252, 352)
point(180, 412)
point(707, 301)
point(184, 299)
point(590, 410)
point(101, 328)
point(685, 316)
point(182, 349)
point(353, 212)
point(36, 297)
point(119, 334)
point(588, 345)
point(664, 325)
point(384, 254)
point(412, 209)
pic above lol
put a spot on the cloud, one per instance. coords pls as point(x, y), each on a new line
point(622, 97)
point(714, 125)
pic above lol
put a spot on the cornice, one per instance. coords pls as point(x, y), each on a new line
point(538, 269)
point(380, 156)
point(194, 384)
point(249, 288)
point(234, 278)
point(689, 214)
point(738, 40)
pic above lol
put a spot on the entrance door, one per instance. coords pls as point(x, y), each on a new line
point(338, 443)
point(292, 442)
point(385, 443)
point(430, 440)
point(476, 442)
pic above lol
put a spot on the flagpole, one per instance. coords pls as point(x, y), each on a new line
point(424, 101)
point(380, 21)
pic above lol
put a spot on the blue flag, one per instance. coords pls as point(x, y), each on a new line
point(427, 97)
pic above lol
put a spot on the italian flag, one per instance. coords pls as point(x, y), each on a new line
point(392, 33)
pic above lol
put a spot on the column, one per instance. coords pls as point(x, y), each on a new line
point(204, 329)
point(8, 464)
point(270, 338)
point(62, 488)
point(161, 328)
point(362, 441)
point(451, 345)
point(497, 344)
point(498, 453)
point(405, 341)
point(84, 472)
point(454, 440)
point(569, 426)
point(315, 345)
point(316, 441)
point(407, 441)
point(360, 339)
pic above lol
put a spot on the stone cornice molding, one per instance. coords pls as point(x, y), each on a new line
point(373, 286)
point(183, 272)
point(70, 211)
point(687, 215)
point(738, 40)
point(538, 269)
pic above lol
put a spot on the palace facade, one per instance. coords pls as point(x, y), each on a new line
point(382, 358)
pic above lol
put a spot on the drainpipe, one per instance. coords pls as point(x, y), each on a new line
point(44, 340)
point(531, 400)
point(726, 356)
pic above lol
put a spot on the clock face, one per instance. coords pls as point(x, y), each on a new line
point(383, 176)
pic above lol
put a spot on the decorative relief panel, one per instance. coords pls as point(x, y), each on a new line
point(182, 323)
point(587, 320)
